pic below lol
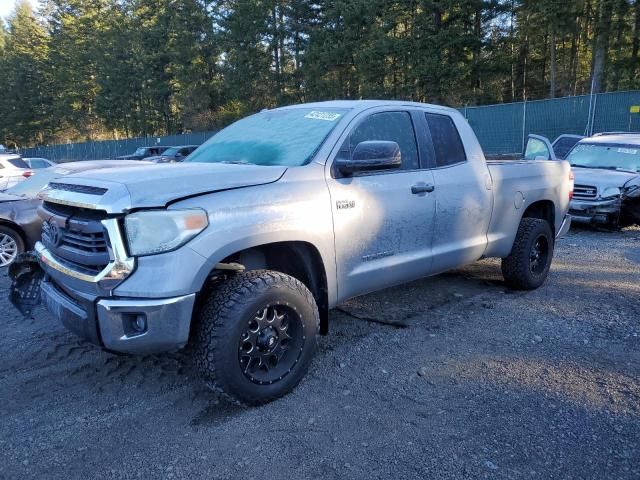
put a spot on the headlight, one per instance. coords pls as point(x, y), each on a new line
point(610, 192)
point(157, 231)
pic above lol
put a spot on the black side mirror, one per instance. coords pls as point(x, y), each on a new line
point(372, 156)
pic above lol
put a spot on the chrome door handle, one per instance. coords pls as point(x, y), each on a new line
point(422, 188)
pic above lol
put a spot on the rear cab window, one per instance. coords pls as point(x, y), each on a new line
point(394, 126)
point(447, 144)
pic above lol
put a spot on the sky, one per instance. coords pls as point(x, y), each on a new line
point(6, 7)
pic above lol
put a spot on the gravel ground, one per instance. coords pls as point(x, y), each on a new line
point(448, 377)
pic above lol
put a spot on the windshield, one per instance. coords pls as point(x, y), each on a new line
point(32, 185)
point(603, 155)
point(171, 152)
point(282, 137)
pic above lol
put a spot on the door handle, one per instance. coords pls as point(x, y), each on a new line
point(422, 188)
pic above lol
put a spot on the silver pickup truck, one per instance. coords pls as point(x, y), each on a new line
point(245, 247)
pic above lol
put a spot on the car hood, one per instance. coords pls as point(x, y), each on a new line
point(119, 190)
point(7, 197)
point(602, 178)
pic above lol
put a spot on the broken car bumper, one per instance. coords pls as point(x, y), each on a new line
point(135, 326)
point(599, 211)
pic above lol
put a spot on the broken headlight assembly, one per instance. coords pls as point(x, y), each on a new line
point(158, 231)
point(610, 193)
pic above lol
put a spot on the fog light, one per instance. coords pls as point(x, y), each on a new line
point(139, 324)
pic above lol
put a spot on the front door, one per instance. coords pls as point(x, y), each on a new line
point(383, 221)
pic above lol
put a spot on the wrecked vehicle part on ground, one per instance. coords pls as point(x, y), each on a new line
point(607, 180)
point(245, 246)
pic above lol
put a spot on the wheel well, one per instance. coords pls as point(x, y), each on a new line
point(300, 260)
point(15, 228)
point(544, 210)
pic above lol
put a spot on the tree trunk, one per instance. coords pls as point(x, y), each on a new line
point(477, 32)
point(553, 66)
point(601, 48)
point(635, 44)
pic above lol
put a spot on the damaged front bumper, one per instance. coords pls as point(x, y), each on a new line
point(596, 212)
point(127, 325)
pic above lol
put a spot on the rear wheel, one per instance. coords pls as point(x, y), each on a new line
point(11, 245)
point(256, 336)
point(527, 266)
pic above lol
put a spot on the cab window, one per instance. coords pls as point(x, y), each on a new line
point(390, 127)
point(447, 144)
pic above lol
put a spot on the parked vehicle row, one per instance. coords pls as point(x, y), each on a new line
point(161, 154)
point(246, 245)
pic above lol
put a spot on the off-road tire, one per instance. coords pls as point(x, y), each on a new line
point(15, 236)
point(516, 268)
point(221, 319)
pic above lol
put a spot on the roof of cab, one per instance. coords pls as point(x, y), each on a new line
point(364, 104)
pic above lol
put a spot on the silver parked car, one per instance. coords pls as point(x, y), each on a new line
point(39, 163)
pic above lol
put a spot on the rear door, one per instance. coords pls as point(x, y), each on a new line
point(539, 148)
point(462, 193)
point(383, 221)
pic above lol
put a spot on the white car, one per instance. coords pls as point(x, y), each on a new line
point(37, 163)
point(13, 169)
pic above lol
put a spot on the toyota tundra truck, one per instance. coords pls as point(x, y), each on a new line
point(241, 250)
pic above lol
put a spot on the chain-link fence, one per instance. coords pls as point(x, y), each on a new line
point(109, 149)
point(501, 129)
point(504, 128)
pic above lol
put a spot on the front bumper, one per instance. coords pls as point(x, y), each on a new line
point(596, 211)
point(136, 326)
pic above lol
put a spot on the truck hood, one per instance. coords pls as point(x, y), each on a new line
point(601, 178)
point(118, 190)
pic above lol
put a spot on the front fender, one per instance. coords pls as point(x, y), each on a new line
point(291, 210)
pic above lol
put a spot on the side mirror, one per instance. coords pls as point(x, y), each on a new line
point(372, 156)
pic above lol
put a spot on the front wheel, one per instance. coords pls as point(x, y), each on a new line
point(11, 245)
point(255, 336)
point(527, 266)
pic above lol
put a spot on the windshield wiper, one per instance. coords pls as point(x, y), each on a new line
point(237, 162)
point(602, 167)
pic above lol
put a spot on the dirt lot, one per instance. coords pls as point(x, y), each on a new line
point(448, 377)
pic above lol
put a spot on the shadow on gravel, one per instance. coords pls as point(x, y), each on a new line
point(404, 305)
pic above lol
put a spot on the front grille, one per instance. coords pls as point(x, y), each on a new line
point(78, 240)
point(85, 242)
point(585, 191)
point(78, 188)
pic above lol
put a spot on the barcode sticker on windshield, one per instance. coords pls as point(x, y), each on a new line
point(628, 151)
point(328, 116)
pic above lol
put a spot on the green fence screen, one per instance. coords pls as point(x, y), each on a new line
point(501, 129)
